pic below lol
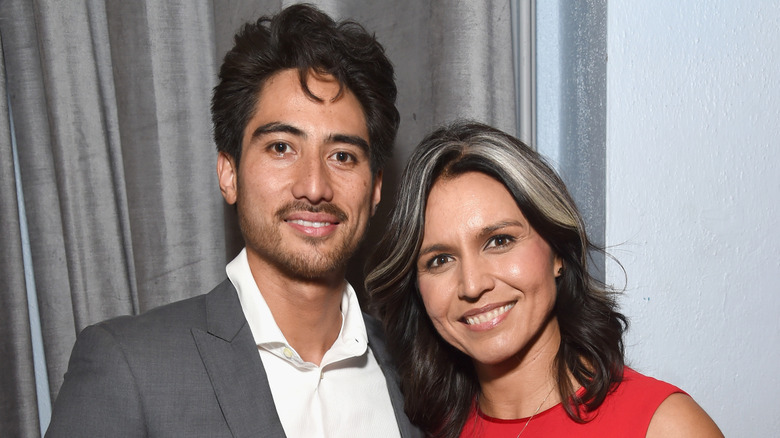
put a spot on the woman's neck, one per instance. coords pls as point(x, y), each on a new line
point(524, 384)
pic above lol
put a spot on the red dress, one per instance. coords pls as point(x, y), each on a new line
point(625, 413)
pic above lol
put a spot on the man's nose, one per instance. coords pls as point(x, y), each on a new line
point(312, 180)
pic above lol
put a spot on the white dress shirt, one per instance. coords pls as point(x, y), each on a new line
point(345, 396)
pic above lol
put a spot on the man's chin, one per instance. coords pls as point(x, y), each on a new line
point(312, 264)
point(301, 257)
point(314, 272)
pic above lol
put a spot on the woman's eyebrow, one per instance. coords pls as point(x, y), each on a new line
point(499, 226)
point(484, 231)
point(436, 247)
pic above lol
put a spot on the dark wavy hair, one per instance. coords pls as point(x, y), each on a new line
point(438, 381)
point(304, 38)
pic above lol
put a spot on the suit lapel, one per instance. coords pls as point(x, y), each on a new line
point(234, 367)
point(376, 342)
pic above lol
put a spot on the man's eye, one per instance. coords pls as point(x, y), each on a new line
point(280, 148)
point(344, 157)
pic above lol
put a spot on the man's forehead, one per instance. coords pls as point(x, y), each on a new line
point(283, 106)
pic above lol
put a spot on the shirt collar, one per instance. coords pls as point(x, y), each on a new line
point(351, 342)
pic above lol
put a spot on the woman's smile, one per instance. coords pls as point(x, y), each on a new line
point(487, 317)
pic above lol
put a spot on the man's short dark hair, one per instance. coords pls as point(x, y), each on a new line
point(304, 38)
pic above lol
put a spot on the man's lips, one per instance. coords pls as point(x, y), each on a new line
point(299, 210)
point(313, 221)
point(487, 316)
point(305, 223)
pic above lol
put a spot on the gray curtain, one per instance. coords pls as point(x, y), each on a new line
point(18, 409)
point(110, 103)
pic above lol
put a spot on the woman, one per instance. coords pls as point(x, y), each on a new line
point(500, 330)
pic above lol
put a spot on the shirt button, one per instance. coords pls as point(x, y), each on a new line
point(287, 353)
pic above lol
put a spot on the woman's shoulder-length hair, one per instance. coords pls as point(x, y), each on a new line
point(438, 381)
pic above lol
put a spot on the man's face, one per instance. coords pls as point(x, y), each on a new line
point(304, 189)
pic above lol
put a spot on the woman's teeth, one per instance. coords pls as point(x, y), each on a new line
point(487, 316)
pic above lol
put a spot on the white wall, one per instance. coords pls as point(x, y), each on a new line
point(693, 186)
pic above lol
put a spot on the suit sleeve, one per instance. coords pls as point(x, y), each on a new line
point(99, 395)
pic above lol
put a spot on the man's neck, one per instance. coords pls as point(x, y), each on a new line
point(308, 312)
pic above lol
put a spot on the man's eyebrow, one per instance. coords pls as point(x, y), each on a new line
point(333, 138)
point(349, 139)
point(277, 127)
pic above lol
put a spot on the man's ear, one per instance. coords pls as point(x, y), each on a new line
point(228, 177)
point(377, 194)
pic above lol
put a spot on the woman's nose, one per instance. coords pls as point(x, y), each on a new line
point(476, 278)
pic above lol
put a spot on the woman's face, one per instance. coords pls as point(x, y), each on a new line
point(487, 279)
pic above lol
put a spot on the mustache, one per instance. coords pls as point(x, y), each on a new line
point(295, 206)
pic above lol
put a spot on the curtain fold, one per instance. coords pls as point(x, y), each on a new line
point(111, 116)
point(162, 55)
point(472, 63)
point(25, 80)
point(111, 112)
point(18, 401)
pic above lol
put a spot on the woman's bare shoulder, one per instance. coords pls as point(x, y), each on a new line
point(680, 416)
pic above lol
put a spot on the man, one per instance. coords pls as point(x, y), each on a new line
point(304, 119)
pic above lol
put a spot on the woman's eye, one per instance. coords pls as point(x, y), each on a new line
point(438, 261)
point(499, 241)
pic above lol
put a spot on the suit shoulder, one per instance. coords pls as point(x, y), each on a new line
point(168, 319)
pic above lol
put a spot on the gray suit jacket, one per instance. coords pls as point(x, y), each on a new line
point(188, 369)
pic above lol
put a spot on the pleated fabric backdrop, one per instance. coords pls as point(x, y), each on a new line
point(110, 106)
